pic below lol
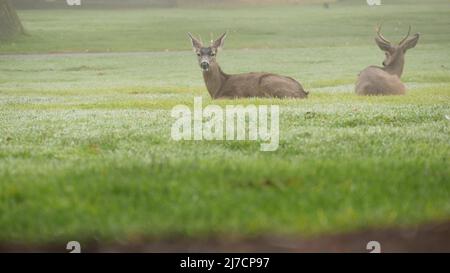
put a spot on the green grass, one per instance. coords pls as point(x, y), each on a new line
point(348, 23)
point(85, 147)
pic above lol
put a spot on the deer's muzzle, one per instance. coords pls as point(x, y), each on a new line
point(204, 65)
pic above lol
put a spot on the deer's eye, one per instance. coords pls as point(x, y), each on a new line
point(213, 54)
point(198, 54)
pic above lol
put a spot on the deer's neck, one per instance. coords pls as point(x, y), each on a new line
point(214, 79)
point(396, 67)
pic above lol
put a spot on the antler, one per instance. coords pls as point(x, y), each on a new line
point(407, 35)
point(195, 42)
point(378, 30)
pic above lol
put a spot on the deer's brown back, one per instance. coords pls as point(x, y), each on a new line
point(261, 85)
point(375, 81)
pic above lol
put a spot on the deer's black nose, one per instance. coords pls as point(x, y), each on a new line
point(204, 65)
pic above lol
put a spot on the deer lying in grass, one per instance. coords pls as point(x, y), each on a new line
point(221, 85)
point(385, 80)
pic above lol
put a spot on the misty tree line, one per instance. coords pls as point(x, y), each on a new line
point(10, 25)
point(137, 3)
point(56, 3)
point(113, 3)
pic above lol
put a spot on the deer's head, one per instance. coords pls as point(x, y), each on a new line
point(206, 55)
point(395, 53)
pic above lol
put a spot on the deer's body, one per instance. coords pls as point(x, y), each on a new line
point(222, 85)
point(375, 80)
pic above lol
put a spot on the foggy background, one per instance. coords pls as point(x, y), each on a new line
point(32, 4)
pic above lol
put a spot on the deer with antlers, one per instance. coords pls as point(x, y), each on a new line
point(375, 80)
point(221, 85)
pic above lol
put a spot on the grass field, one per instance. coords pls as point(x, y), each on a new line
point(85, 147)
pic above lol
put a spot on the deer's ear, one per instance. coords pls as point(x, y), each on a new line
point(196, 44)
point(219, 42)
point(383, 45)
point(411, 42)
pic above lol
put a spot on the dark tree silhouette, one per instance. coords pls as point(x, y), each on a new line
point(10, 25)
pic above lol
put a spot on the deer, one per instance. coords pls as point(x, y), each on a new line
point(225, 86)
point(375, 80)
